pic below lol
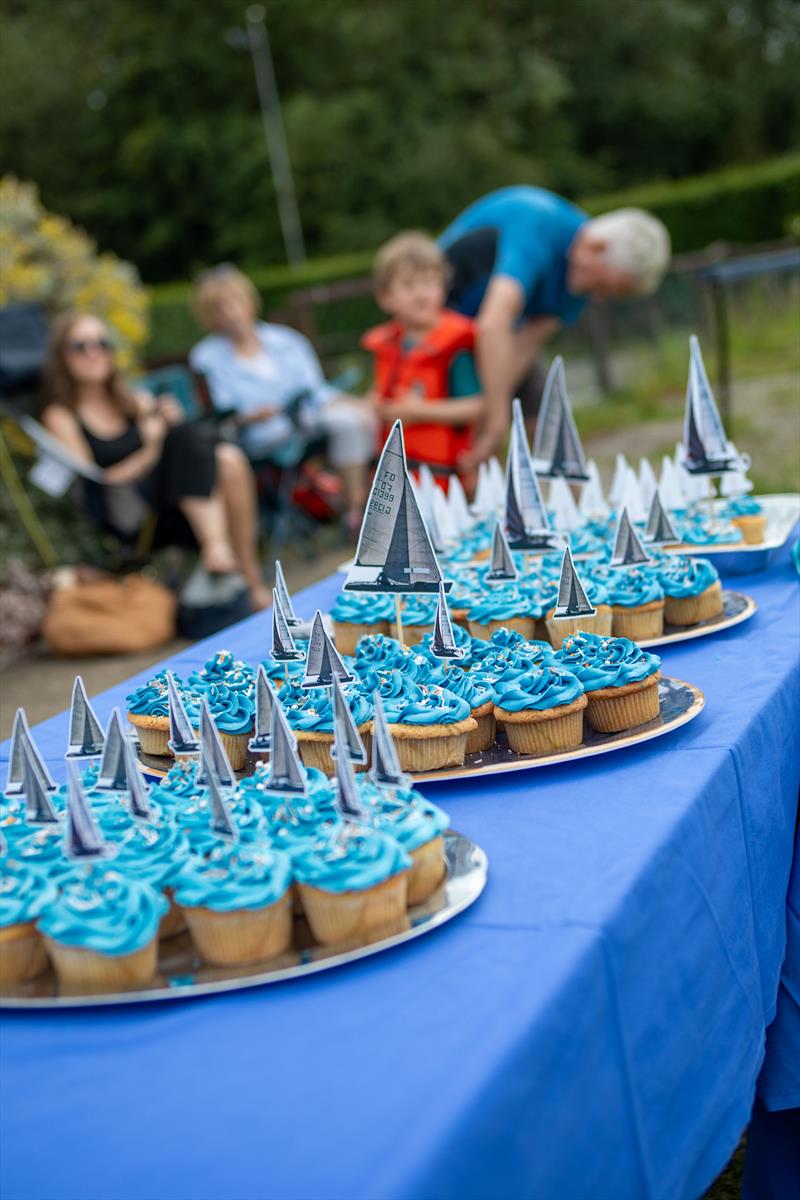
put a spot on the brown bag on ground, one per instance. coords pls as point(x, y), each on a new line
point(109, 616)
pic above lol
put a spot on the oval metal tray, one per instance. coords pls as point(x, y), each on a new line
point(181, 975)
point(737, 607)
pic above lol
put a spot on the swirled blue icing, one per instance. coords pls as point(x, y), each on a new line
point(233, 709)
point(24, 894)
point(296, 823)
point(601, 662)
point(153, 851)
point(699, 530)
point(501, 639)
point(104, 911)
point(312, 708)
point(222, 667)
point(406, 702)
point(385, 653)
point(540, 594)
point(476, 687)
point(151, 699)
point(633, 587)
point(351, 859)
point(742, 506)
point(404, 814)
point(177, 785)
point(243, 876)
point(500, 604)
point(683, 576)
point(359, 608)
point(516, 660)
point(419, 610)
point(40, 850)
point(546, 687)
point(194, 819)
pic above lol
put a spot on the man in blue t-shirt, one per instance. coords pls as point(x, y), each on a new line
point(525, 261)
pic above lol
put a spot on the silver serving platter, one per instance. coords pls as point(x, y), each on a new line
point(181, 975)
point(782, 512)
point(736, 607)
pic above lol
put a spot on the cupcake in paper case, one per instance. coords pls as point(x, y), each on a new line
point(430, 724)
point(637, 603)
point(102, 931)
point(353, 885)
point(309, 712)
point(541, 711)
point(477, 688)
point(692, 591)
point(233, 711)
point(154, 851)
point(148, 712)
point(600, 623)
point(237, 903)
point(499, 607)
point(24, 896)
point(357, 614)
point(418, 614)
point(746, 514)
point(619, 678)
point(222, 667)
point(417, 825)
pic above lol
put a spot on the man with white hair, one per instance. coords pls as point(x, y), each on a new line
point(525, 261)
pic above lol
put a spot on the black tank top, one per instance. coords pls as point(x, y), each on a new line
point(109, 451)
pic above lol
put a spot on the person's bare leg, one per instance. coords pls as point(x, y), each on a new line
point(238, 491)
point(206, 516)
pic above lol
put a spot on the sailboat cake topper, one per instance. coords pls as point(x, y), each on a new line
point(112, 775)
point(39, 808)
point(706, 449)
point(572, 598)
point(212, 750)
point(83, 838)
point(182, 738)
point(394, 552)
point(659, 530)
point(261, 741)
point(385, 769)
point(21, 736)
point(345, 727)
point(138, 791)
point(290, 615)
point(526, 521)
point(557, 448)
point(502, 568)
point(628, 550)
point(221, 819)
point(348, 800)
point(85, 731)
point(443, 641)
point(283, 647)
point(286, 774)
point(323, 660)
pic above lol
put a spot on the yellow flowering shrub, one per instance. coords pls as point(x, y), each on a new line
point(47, 260)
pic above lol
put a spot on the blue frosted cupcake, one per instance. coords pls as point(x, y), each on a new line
point(746, 514)
point(619, 678)
point(358, 614)
point(24, 896)
point(101, 932)
point(430, 724)
point(418, 826)
point(233, 710)
point(476, 687)
point(692, 591)
point(385, 654)
point(501, 607)
point(310, 715)
point(637, 603)
point(353, 885)
point(542, 710)
point(148, 712)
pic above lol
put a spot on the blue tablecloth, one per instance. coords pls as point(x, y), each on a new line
point(593, 1027)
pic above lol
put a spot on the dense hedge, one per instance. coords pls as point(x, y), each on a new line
point(742, 205)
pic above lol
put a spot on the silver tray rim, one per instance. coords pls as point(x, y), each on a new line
point(458, 850)
point(705, 629)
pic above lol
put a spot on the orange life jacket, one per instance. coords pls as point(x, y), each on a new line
point(423, 368)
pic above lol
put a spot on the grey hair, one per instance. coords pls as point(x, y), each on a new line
point(637, 242)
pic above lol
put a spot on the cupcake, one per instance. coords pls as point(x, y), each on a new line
point(237, 903)
point(619, 678)
point(419, 614)
point(310, 715)
point(191, 814)
point(430, 725)
point(600, 623)
point(540, 710)
point(153, 851)
point(637, 603)
point(476, 688)
point(499, 607)
point(354, 885)
point(692, 591)
point(148, 713)
point(746, 514)
point(233, 710)
point(417, 825)
point(358, 614)
point(507, 649)
point(24, 896)
point(102, 931)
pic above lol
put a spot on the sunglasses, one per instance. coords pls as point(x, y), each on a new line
point(84, 345)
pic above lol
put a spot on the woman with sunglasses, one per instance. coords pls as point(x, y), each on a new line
point(200, 490)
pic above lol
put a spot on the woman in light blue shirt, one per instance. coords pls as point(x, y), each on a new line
point(260, 370)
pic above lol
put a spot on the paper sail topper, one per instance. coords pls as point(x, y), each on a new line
point(266, 700)
point(348, 800)
point(394, 552)
point(286, 774)
point(289, 614)
point(526, 523)
point(212, 750)
point(323, 660)
point(112, 775)
point(137, 789)
point(21, 736)
point(385, 769)
point(38, 806)
point(502, 568)
point(85, 731)
point(83, 840)
point(182, 737)
point(283, 647)
point(659, 530)
point(345, 728)
point(557, 449)
point(572, 598)
point(628, 549)
point(706, 449)
point(443, 641)
point(221, 819)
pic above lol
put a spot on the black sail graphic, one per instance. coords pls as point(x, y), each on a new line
point(572, 598)
point(557, 447)
point(348, 800)
point(502, 568)
point(266, 700)
point(443, 642)
point(112, 775)
point(286, 774)
point(83, 838)
point(628, 549)
point(345, 727)
point(385, 767)
point(290, 615)
point(283, 647)
point(706, 448)
point(138, 791)
point(21, 736)
point(526, 522)
point(38, 806)
point(212, 750)
point(221, 819)
point(659, 530)
point(323, 660)
point(85, 731)
point(182, 737)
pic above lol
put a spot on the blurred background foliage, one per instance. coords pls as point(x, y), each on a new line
point(144, 125)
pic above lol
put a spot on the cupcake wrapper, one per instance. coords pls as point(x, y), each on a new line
point(690, 610)
point(235, 747)
point(316, 751)
point(82, 970)
point(153, 741)
point(609, 713)
point(244, 936)
point(359, 917)
point(482, 737)
point(173, 922)
point(430, 753)
point(638, 624)
point(550, 735)
point(599, 624)
point(427, 870)
point(753, 528)
point(347, 635)
point(22, 953)
point(484, 629)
